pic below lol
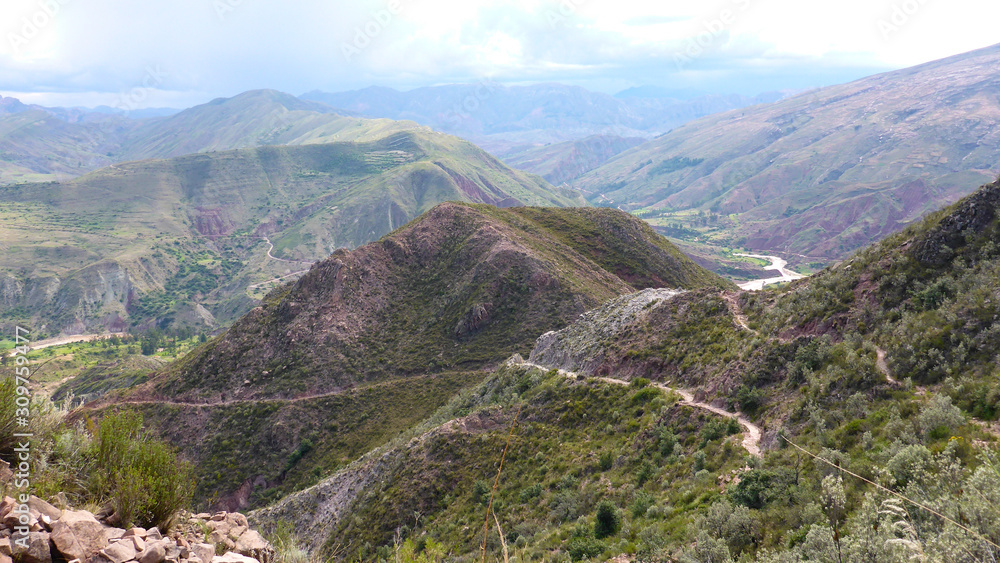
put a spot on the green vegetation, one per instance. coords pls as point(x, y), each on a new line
point(113, 462)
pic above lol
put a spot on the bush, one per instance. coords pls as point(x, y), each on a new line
point(142, 477)
point(607, 461)
point(608, 521)
point(584, 548)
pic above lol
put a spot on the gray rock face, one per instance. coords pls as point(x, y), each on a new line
point(579, 346)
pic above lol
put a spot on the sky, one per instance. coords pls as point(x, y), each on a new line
point(177, 53)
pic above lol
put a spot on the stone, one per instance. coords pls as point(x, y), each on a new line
point(6, 506)
point(238, 519)
point(4, 558)
point(203, 516)
point(38, 550)
point(119, 552)
point(44, 508)
point(252, 544)
point(137, 532)
point(113, 534)
point(78, 535)
point(154, 553)
point(5, 547)
point(231, 557)
point(5, 473)
point(218, 516)
point(139, 543)
point(203, 551)
point(153, 534)
point(236, 531)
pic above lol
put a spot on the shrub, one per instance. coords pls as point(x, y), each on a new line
point(608, 521)
point(607, 461)
point(584, 548)
point(142, 476)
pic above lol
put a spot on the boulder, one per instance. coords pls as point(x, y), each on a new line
point(153, 534)
point(44, 508)
point(252, 544)
point(154, 553)
point(120, 551)
point(203, 551)
point(38, 550)
point(78, 535)
point(139, 543)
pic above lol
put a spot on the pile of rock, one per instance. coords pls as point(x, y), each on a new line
point(37, 532)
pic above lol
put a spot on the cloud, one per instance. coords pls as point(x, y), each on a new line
point(210, 48)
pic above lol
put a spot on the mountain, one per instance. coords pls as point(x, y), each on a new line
point(708, 426)
point(41, 144)
point(509, 119)
point(370, 342)
point(822, 173)
point(196, 240)
point(563, 162)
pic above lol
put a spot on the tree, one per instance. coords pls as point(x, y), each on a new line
point(609, 520)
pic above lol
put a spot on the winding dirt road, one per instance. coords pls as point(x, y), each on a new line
point(751, 438)
point(60, 340)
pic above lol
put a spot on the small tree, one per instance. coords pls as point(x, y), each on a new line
point(609, 520)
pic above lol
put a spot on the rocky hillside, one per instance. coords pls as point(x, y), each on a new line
point(822, 173)
point(196, 240)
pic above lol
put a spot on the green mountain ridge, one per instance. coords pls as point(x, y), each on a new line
point(186, 241)
point(370, 342)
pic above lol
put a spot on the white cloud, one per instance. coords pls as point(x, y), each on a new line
point(296, 45)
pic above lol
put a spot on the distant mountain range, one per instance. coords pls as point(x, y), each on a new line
point(821, 173)
point(511, 119)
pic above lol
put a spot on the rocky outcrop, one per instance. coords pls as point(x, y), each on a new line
point(580, 347)
point(37, 532)
point(973, 215)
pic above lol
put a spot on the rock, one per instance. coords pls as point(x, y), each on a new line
point(237, 519)
point(78, 535)
point(154, 553)
point(203, 551)
point(5, 473)
point(5, 547)
point(231, 557)
point(38, 550)
point(137, 532)
point(4, 558)
point(6, 506)
point(139, 543)
point(236, 531)
point(153, 534)
point(253, 545)
point(119, 552)
point(219, 516)
point(44, 508)
point(113, 534)
point(203, 516)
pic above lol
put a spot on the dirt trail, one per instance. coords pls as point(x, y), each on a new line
point(273, 257)
point(778, 265)
point(751, 438)
point(734, 308)
point(882, 366)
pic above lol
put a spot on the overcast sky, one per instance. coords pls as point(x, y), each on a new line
point(177, 53)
